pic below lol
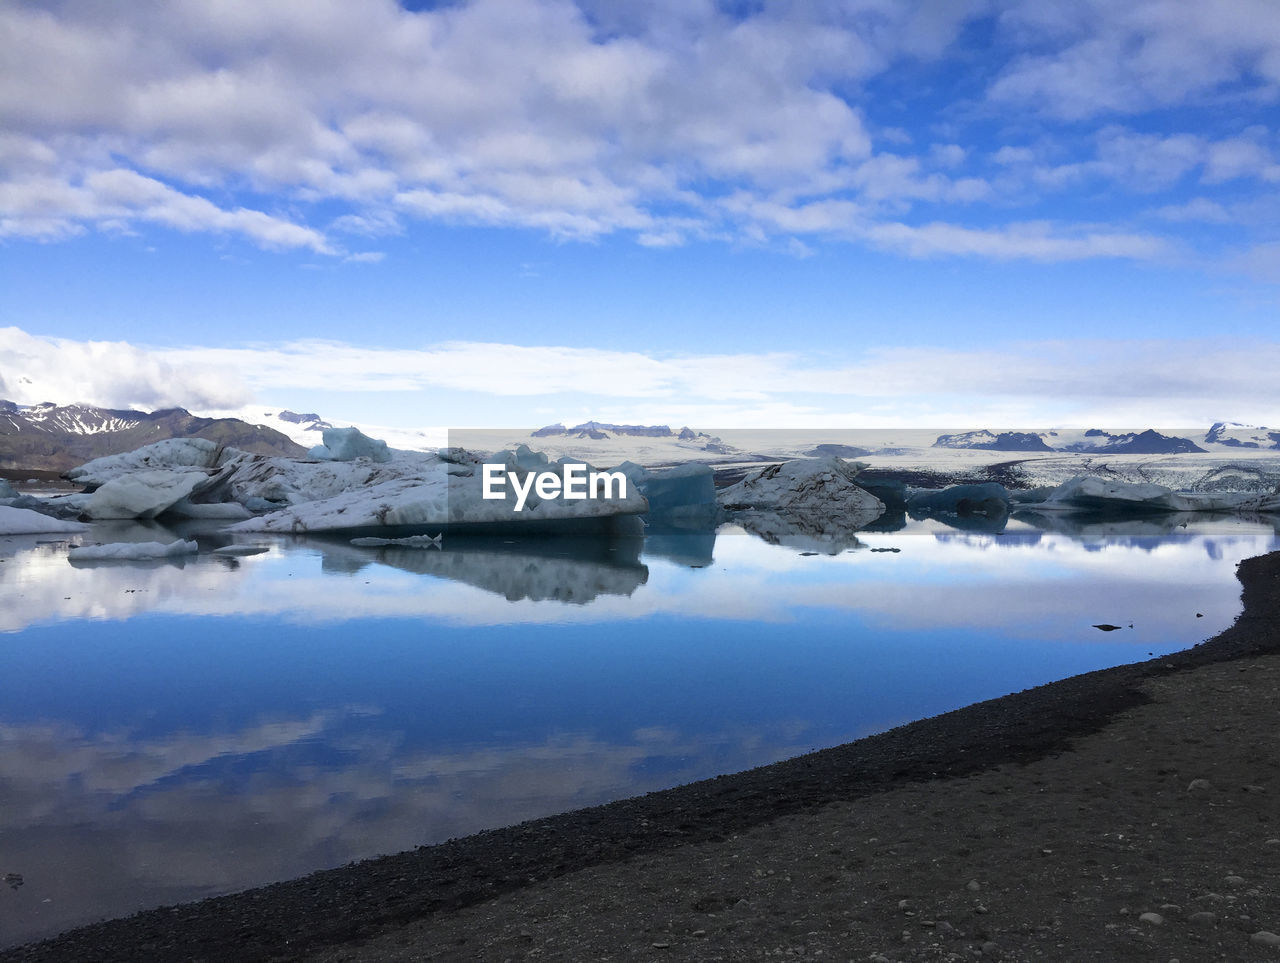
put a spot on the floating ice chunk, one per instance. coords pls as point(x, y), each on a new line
point(1088, 493)
point(988, 499)
point(220, 511)
point(409, 541)
point(23, 521)
point(348, 444)
point(684, 495)
point(242, 549)
point(171, 453)
point(143, 494)
point(808, 486)
point(815, 503)
point(423, 491)
point(7, 490)
point(130, 551)
point(524, 458)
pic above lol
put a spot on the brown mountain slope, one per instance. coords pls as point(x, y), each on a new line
point(58, 437)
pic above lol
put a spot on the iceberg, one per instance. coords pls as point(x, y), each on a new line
point(1089, 493)
point(7, 490)
point(348, 444)
point(23, 521)
point(683, 496)
point(171, 453)
point(805, 486)
point(143, 494)
point(988, 499)
point(216, 511)
point(241, 549)
point(422, 490)
point(131, 551)
point(815, 502)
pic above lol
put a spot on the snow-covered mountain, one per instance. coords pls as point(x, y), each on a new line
point(1232, 434)
point(1149, 442)
point(49, 437)
point(984, 440)
point(1092, 441)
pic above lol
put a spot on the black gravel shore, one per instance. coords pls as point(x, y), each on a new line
point(325, 911)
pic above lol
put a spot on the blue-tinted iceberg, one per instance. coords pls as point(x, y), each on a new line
point(987, 500)
point(348, 444)
point(683, 496)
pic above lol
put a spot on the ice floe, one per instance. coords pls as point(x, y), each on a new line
point(23, 521)
point(132, 551)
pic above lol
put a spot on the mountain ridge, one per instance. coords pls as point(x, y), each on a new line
point(51, 437)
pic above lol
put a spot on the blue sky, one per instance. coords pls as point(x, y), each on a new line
point(865, 213)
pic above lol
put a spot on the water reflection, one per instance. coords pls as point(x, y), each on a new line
point(169, 733)
point(572, 570)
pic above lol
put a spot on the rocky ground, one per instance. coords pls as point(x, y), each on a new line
point(1129, 814)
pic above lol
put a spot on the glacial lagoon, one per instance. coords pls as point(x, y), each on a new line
point(179, 729)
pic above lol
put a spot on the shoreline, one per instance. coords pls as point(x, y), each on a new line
point(330, 909)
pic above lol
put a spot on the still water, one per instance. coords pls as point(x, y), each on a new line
point(176, 730)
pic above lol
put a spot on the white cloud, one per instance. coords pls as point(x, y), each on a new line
point(1031, 241)
point(1106, 57)
point(112, 374)
point(1040, 383)
point(667, 122)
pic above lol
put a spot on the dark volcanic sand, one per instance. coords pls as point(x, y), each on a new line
point(1043, 825)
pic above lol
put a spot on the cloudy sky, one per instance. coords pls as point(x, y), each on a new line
point(503, 212)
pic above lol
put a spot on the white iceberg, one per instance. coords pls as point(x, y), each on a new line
point(363, 496)
point(1089, 493)
point(23, 521)
point(242, 549)
point(814, 504)
point(813, 488)
point(348, 444)
point(422, 490)
point(171, 453)
point(143, 494)
point(132, 551)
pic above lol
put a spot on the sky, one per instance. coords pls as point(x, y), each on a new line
point(873, 213)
